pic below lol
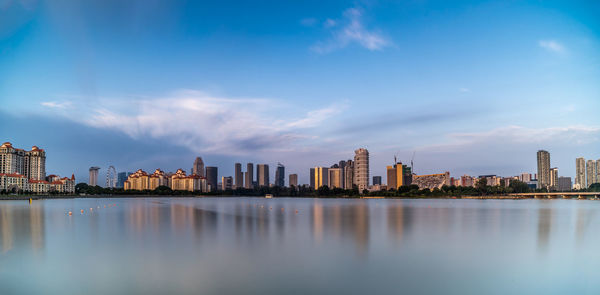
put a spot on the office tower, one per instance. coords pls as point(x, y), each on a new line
point(361, 169)
point(554, 178)
point(349, 174)
point(31, 164)
point(580, 173)
point(198, 168)
point(591, 171)
point(293, 180)
point(342, 165)
point(249, 176)
point(334, 179)
point(376, 180)
point(321, 177)
point(227, 182)
point(311, 179)
point(121, 178)
point(280, 175)
point(212, 174)
point(93, 176)
point(543, 166)
point(262, 175)
point(239, 176)
point(564, 184)
point(391, 177)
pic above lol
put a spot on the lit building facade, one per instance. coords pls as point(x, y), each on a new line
point(580, 182)
point(293, 180)
point(361, 169)
point(31, 164)
point(334, 178)
point(262, 175)
point(543, 167)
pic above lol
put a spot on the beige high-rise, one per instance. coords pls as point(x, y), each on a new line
point(361, 169)
point(543, 165)
point(580, 173)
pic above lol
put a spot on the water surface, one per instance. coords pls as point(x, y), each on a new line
point(299, 246)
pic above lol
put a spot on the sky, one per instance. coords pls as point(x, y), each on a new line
point(470, 87)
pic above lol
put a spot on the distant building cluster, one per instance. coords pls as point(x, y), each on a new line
point(586, 173)
point(25, 171)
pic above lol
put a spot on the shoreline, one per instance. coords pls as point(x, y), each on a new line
point(49, 197)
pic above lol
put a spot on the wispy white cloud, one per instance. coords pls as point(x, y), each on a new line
point(350, 29)
point(464, 90)
point(551, 45)
point(56, 105)
point(202, 122)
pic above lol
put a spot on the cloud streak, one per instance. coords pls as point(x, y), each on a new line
point(350, 29)
point(201, 122)
point(551, 45)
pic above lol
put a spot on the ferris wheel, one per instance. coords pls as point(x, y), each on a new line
point(111, 177)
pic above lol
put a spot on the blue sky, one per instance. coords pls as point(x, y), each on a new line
point(469, 87)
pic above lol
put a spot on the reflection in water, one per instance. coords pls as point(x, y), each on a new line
point(259, 246)
point(544, 227)
point(22, 227)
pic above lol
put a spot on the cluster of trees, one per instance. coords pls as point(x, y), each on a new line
point(481, 188)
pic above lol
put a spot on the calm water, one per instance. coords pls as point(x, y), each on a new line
point(252, 246)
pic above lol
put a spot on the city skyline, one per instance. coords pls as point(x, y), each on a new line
point(472, 96)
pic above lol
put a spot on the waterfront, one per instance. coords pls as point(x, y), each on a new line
point(298, 246)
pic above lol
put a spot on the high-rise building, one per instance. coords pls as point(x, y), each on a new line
point(227, 182)
point(349, 174)
point(239, 176)
point(342, 165)
point(249, 176)
point(598, 171)
point(335, 178)
point(591, 171)
point(543, 165)
point(212, 178)
point(293, 181)
point(580, 173)
point(554, 178)
point(280, 175)
point(311, 179)
point(361, 169)
point(564, 184)
point(262, 174)
point(376, 180)
point(321, 177)
point(31, 164)
point(198, 168)
point(93, 176)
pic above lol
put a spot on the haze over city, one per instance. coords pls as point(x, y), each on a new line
point(470, 88)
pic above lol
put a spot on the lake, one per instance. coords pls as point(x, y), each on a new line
point(299, 246)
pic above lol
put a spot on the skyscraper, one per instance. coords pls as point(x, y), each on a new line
point(212, 174)
point(280, 175)
point(198, 168)
point(293, 180)
point(580, 173)
point(311, 178)
point(249, 176)
point(239, 176)
point(361, 169)
point(321, 177)
point(554, 178)
point(335, 178)
point(543, 168)
point(349, 174)
point(342, 166)
point(93, 176)
point(591, 171)
point(262, 174)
